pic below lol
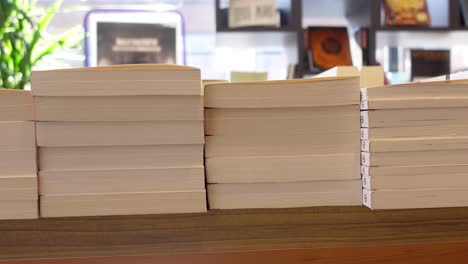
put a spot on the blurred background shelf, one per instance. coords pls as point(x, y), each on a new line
point(256, 29)
point(445, 17)
point(418, 29)
point(217, 49)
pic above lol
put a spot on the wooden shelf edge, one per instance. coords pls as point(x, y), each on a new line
point(255, 29)
point(228, 230)
point(408, 253)
point(420, 29)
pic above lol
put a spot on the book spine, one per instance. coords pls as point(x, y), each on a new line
point(365, 133)
point(367, 198)
point(364, 96)
point(366, 182)
point(365, 159)
point(365, 171)
point(365, 145)
point(364, 105)
point(364, 118)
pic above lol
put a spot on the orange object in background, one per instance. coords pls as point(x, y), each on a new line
point(329, 47)
point(406, 13)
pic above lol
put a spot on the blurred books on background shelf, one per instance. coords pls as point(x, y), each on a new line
point(245, 13)
point(429, 63)
point(406, 13)
point(327, 47)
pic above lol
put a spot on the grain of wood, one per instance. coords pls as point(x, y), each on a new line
point(228, 230)
point(409, 253)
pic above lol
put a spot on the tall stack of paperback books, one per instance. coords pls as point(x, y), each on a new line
point(120, 140)
point(415, 145)
point(18, 170)
point(283, 143)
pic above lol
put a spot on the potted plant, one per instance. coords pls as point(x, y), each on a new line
point(24, 40)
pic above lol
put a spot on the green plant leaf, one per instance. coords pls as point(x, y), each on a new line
point(24, 39)
point(69, 39)
point(42, 25)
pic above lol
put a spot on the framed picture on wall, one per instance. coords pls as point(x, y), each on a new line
point(134, 37)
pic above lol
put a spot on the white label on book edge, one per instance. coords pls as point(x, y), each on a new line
point(364, 105)
point(364, 119)
point(365, 133)
point(366, 182)
point(365, 158)
point(365, 171)
point(365, 145)
point(367, 198)
point(364, 96)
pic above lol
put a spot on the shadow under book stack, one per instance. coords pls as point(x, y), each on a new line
point(274, 144)
point(18, 169)
point(120, 140)
point(415, 145)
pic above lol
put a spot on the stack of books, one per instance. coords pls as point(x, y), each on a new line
point(120, 140)
point(273, 144)
point(415, 145)
point(18, 170)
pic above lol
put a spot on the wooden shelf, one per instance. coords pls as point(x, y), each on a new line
point(229, 230)
point(427, 253)
point(418, 29)
point(256, 29)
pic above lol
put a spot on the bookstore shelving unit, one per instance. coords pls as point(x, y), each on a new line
point(454, 24)
point(369, 17)
point(291, 16)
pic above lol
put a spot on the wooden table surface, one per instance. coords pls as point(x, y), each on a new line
point(318, 230)
point(431, 253)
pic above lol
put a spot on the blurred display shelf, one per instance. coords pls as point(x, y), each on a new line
point(291, 22)
point(419, 29)
point(358, 13)
point(256, 29)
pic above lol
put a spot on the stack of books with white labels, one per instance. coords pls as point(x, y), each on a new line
point(120, 140)
point(18, 170)
point(415, 145)
point(274, 144)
